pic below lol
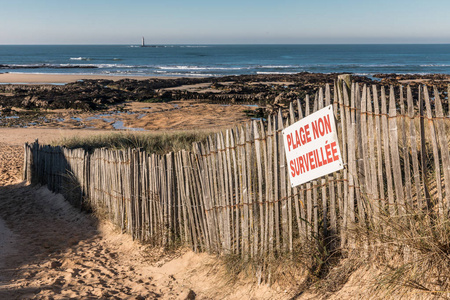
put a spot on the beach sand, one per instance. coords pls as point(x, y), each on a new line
point(50, 250)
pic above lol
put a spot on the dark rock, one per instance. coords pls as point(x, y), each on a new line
point(191, 295)
point(55, 264)
point(273, 91)
point(6, 110)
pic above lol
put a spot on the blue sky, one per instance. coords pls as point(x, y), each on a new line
point(223, 22)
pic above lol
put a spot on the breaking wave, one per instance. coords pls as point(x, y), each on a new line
point(80, 58)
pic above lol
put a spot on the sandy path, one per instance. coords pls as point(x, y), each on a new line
point(49, 250)
point(52, 251)
point(60, 253)
point(7, 244)
point(11, 163)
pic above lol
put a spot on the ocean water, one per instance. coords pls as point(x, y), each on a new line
point(221, 60)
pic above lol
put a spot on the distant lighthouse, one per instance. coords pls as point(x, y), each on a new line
point(150, 46)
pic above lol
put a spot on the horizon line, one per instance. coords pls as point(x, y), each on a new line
point(222, 44)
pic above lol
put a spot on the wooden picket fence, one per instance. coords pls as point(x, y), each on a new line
point(232, 195)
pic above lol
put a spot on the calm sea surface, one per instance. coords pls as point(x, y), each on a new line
point(219, 60)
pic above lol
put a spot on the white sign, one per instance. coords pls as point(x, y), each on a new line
point(312, 148)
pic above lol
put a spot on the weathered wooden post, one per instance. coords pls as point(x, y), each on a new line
point(347, 79)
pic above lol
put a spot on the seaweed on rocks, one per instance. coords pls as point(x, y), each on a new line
point(269, 90)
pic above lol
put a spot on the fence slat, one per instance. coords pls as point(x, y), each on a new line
point(396, 167)
point(222, 194)
point(237, 196)
point(324, 210)
point(276, 171)
point(283, 192)
point(260, 200)
point(423, 151)
point(226, 193)
point(366, 180)
point(386, 147)
point(294, 190)
point(212, 154)
point(357, 167)
point(350, 161)
point(432, 136)
point(270, 184)
point(344, 173)
point(372, 157)
point(289, 191)
point(196, 202)
point(443, 142)
point(249, 167)
point(299, 109)
point(315, 187)
point(327, 95)
point(231, 195)
point(189, 202)
point(414, 147)
point(333, 212)
point(405, 151)
point(378, 130)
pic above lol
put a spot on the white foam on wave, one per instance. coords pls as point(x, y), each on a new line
point(25, 66)
point(187, 74)
point(80, 58)
point(435, 65)
point(100, 66)
point(67, 65)
point(197, 68)
point(113, 66)
point(194, 46)
point(370, 65)
point(276, 73)
point(277, 67)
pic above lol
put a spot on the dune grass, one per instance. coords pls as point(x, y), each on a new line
point(155, 142)
point(412, 250)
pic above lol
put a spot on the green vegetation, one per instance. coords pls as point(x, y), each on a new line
point(158, 143)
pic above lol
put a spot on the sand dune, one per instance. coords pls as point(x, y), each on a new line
point(52, 251)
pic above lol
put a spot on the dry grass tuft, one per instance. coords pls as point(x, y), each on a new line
point(411, 250)
point(158, 143)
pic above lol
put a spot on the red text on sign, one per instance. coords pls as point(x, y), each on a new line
point(321, 126)
point(299, 137)
point(314, 159)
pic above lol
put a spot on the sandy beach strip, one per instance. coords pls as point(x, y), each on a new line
point(20, 136)
point(22, 78)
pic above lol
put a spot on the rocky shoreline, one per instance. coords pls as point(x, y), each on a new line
point(269, 92)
